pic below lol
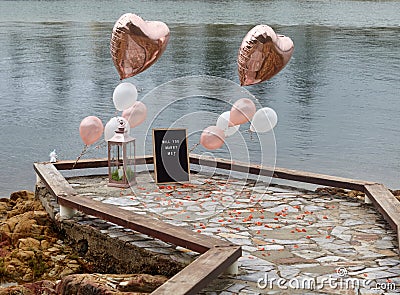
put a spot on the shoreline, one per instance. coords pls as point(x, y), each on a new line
point(36, 257)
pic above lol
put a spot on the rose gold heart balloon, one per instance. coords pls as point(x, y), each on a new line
point(262, 55)
point(137, 44)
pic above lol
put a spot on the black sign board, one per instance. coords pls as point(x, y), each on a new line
point(171, 156)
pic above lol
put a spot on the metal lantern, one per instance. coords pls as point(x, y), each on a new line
point(121, 158)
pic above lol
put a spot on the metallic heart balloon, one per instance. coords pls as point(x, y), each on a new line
point(137, 44)
point(262, 55)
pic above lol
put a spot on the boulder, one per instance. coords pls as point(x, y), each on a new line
point(28, 244)
point(103, 284)
point(80, 284)
point(25, 255)
point(22, 195)
point(40, 287)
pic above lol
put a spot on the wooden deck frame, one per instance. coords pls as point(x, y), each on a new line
point(378, 194)
point(217, 255)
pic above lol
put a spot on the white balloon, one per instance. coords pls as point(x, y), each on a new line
point(264, 120)
point(112, 125)
point(124, 96)
point(223, 123)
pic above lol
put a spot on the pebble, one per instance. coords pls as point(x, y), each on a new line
point(329, 259)
point(308, 254)
point(288, 272)
point(338, 230)
point(388, 262)
point(281, 208)
point(352, 222)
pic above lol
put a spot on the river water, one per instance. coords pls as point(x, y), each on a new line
point(337, 100)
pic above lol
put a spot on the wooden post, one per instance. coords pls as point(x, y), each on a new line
point(233, 269)
point(66, 212)
point(367, 200)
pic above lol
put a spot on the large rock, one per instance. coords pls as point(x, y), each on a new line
point(41, 287)
point(26, 237)
point(28, 244)
point(82, 284)
point(88, 284)
point(25, 255)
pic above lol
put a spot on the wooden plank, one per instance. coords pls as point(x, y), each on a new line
point(398, 240)
point(294, 175)
point(54, 181)
point(387, 205)
point(97, 163)
point(197, 275)
point(288, 174)
point(385, 202)
point(152, 227)
point(82, 164)
point(68, 197)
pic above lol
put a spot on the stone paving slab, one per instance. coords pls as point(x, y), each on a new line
point(290, 237)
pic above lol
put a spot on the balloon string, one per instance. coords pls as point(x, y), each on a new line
point(84, 150)
point(101, 145)
point(194, 146)
point(251, 134)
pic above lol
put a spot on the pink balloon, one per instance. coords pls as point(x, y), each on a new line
point(212, 138)
point(90, 129)
point(136, 114)
point(242, 111)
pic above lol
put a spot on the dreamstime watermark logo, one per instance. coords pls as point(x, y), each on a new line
point(340, 281)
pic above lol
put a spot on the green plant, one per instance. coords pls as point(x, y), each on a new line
point(74, 256)
point(40, 238)
point(38, 265)
point(129, 174)
point(115, 176)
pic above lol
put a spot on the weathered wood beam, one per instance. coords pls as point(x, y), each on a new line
point(238, 166)
point(387, 204)
point(96, 163)
point(276, 172)
point(193, 278)
point(54, 181)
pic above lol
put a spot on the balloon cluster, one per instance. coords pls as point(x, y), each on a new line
point(262, 55)
point(228, 123)
point(137, 44)
point(133, 114)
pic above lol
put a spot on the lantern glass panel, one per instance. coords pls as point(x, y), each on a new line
point(116, 163)
point(130, 162)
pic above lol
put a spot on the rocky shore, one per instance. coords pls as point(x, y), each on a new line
point(35, 259)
